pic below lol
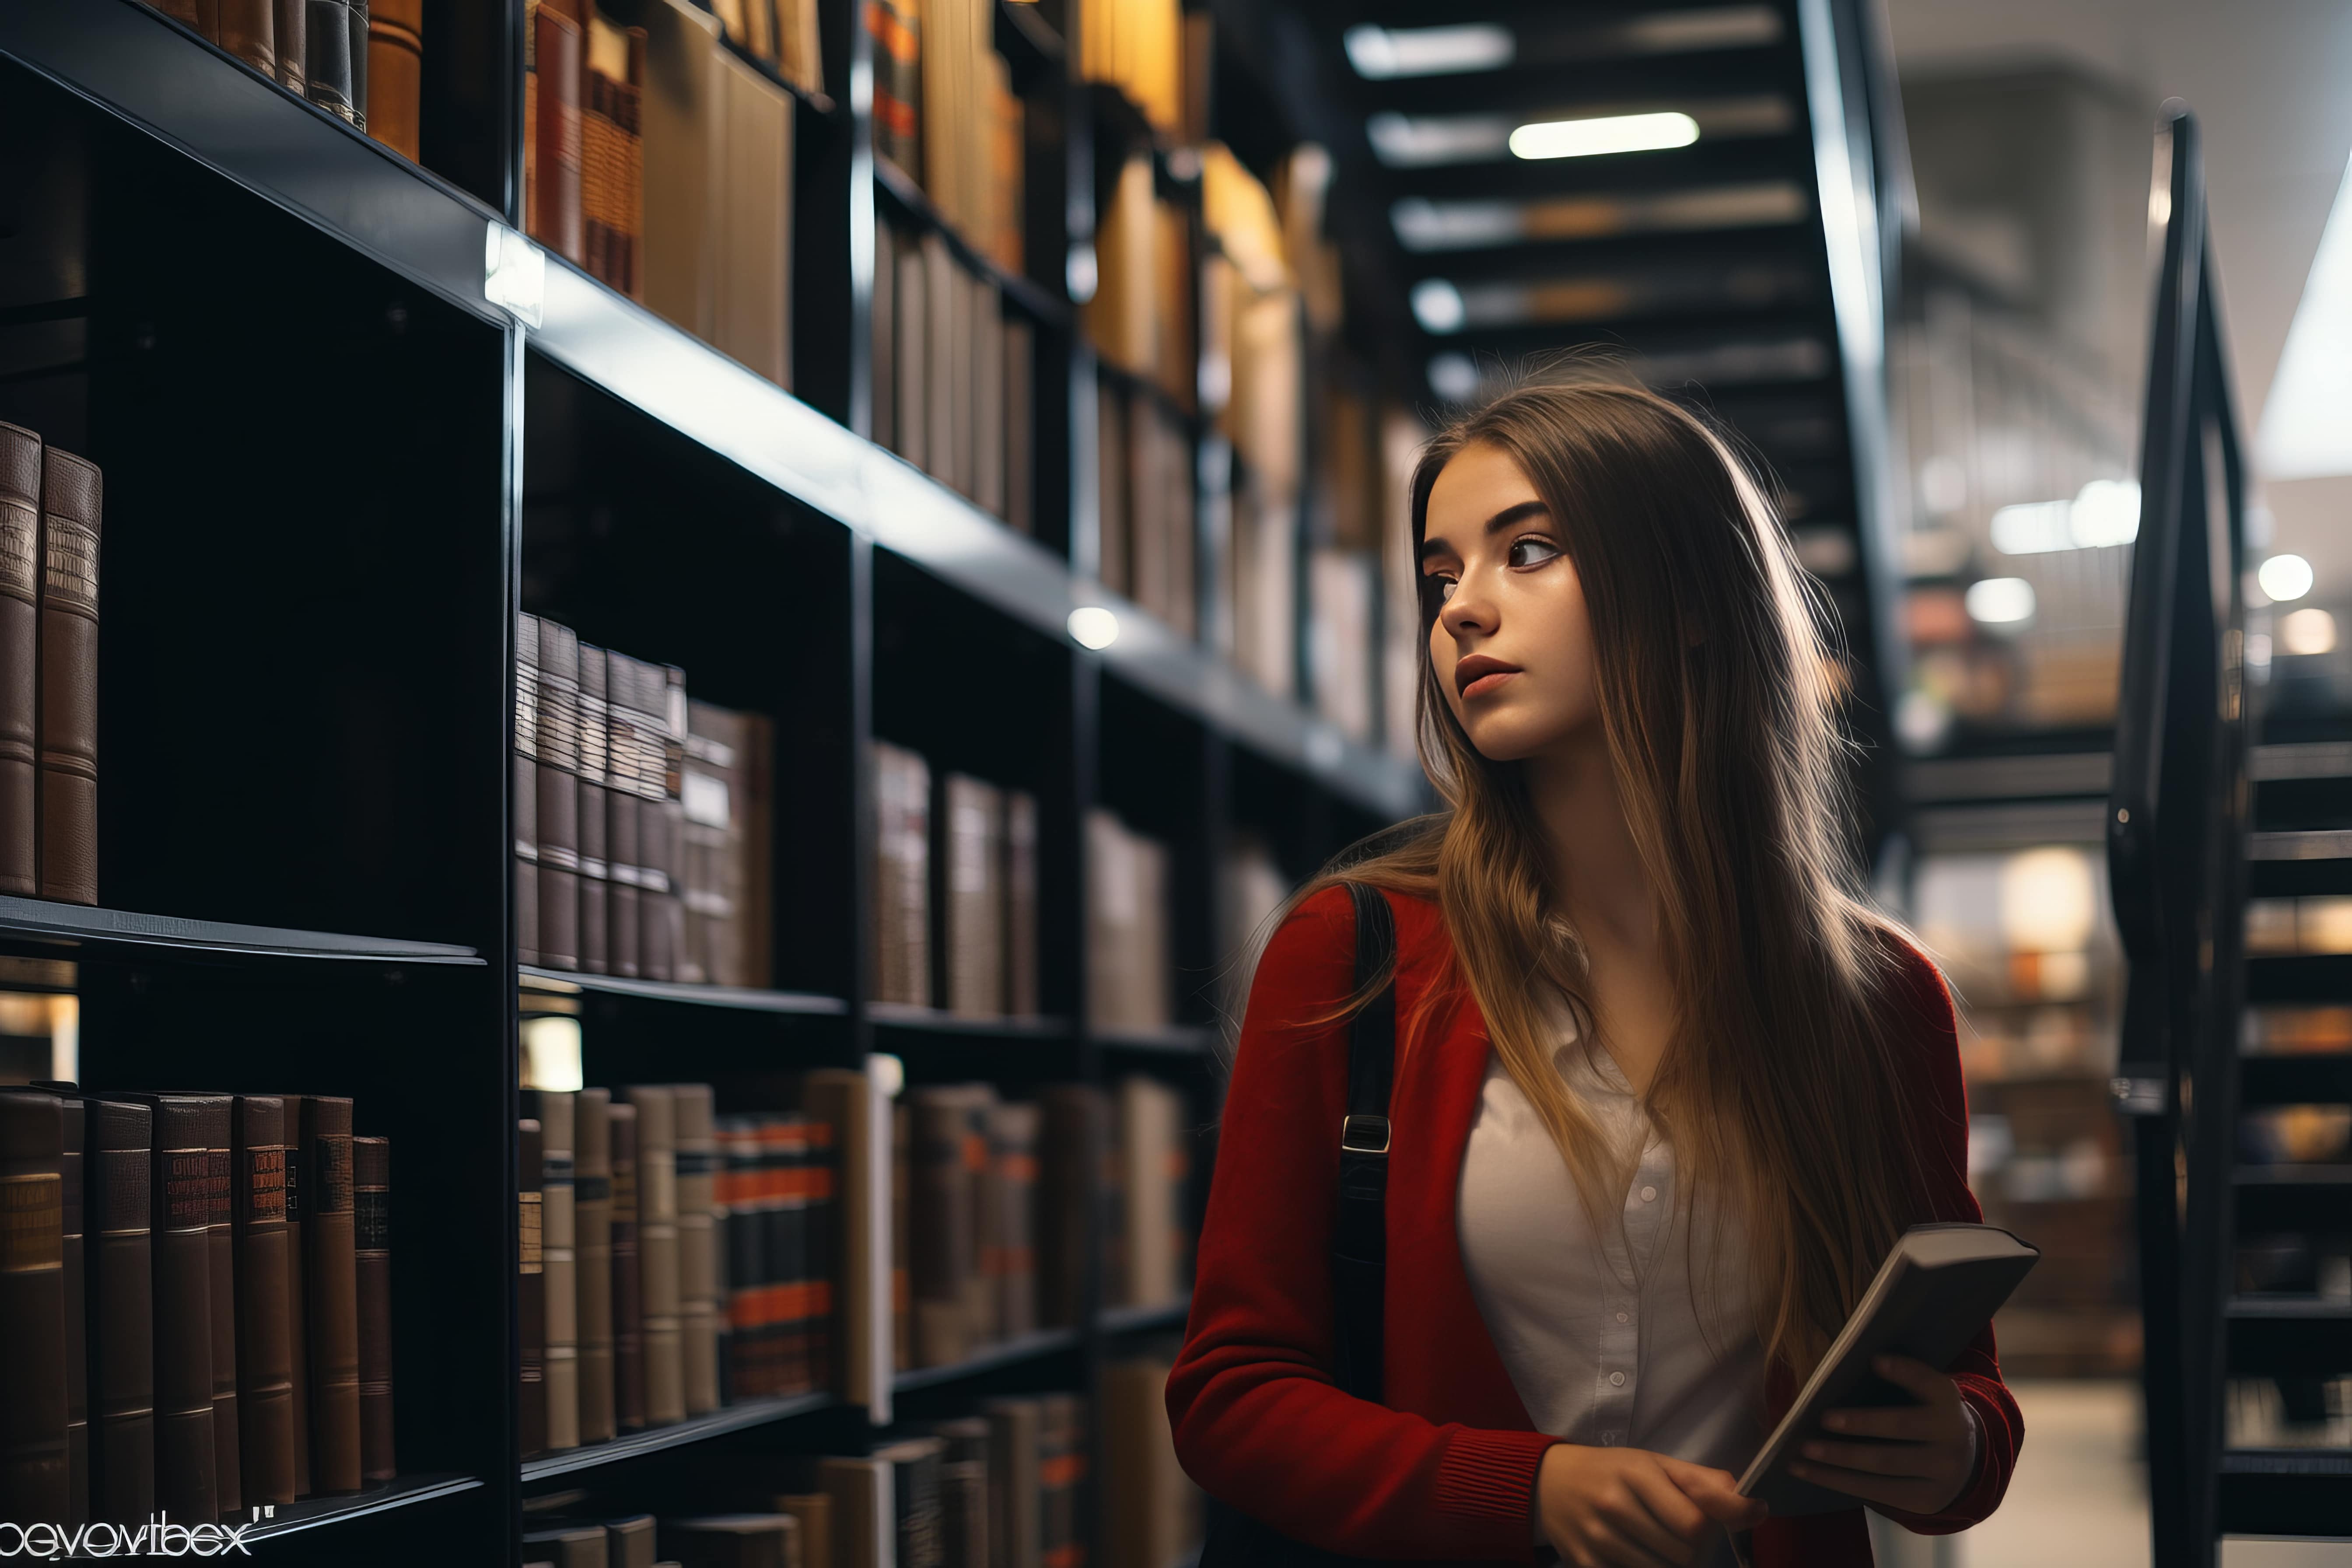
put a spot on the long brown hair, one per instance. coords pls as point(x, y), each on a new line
point(1718, 693)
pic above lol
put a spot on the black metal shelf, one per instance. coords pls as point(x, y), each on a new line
point(911, 1019)
point(1177, 1040)
point(2283, 1491)
point(2305, 977)
point(657, 1440)
point(2313, 1077)
point(1160, 1315)
point(2289, 1335)
point(2275, 1199)
point(127, 933)
point(318, 1513)
point(1008, 1352)
point(565, 982)
point(915, 206)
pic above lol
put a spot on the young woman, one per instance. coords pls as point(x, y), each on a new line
point(1667, 1089)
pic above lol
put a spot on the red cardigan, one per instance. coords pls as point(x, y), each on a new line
point(1445, 1467)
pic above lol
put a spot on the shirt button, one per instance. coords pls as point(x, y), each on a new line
point(1609, 1439)
point(1616, 1380)
point(1623, 1317)
point(1649, 1194)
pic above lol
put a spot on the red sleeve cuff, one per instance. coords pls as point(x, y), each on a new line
point(1489, 1477)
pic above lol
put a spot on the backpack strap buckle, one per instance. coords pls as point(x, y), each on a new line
point(1364, 1135)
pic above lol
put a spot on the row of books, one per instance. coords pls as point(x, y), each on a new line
point(195, 1304)
point(50, 505)
point(1150, 536)
point(360, 60)
point(1130, 954)
point(999, 1488)
point(1140, 317)
point(937, 78)
point(955, 890)
point(642, 818)
point(954, 373)
point(1154, 54)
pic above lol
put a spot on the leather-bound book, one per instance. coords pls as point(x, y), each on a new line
point(1072, 1218)
point(915, 1499)
point(248, 29)
point(1061, 1476)
point(561, 55)
point(629, 1280)
point(568, 1545)
point(559, 794)
point(657, 1108)
point(734, 1540)
point(530, 1293)
point(120, 1285)
point(71, 497)
point(264, 1359)
point(559, 1218)
point(1020, 904)
point(860, 1492)
point(742, 1260)
point(595, 872)
point(20, 641)
point(967, 891)
point(297, 1293)
point(526, 789)
point(664, 915)
point(186, 1478)
point(1012, 1131)
point(902, 1234)
point(963, 1513)
point(697, 1257)
point(372, 1264)
point(592, 1204)
point(292, 34)
point(73, 1167)
point(1020, 427)
point(622, 776)
point(629, 1542)
point(220, 1240)
point(335, 50)
point(813, 1513)
point(395, 74)
point(753, 311)
point(821, 1251)
point(1014, 1488)
point(334, 1294)
point(36, 1475)
point(940, 1246)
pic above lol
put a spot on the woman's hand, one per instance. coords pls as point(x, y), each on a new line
point(1915, 1460)
point(1627, 1508)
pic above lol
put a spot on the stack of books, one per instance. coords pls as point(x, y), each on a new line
point(195, 1304)
point(955, 905)
point(50, 505)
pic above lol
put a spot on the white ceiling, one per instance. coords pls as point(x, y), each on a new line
point(2270, 81)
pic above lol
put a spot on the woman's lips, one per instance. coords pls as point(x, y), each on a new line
point(1481, 673)
point(1486, 683)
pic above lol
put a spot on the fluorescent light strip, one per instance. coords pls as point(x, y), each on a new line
point(1432, 140)
point(1381, 54)
point(1387, 53)
point(2306, 428)
point(1598, 138)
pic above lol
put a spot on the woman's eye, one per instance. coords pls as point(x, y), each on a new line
point(1532, 551)
point(1441, 586)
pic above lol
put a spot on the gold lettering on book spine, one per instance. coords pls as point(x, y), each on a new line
point(71, 579)
point(32, 1218)
point(533, 1251)
point(265, 1186)
point(20, 528)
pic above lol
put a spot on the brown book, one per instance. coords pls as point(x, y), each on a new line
point(20, 621)
point(595, 729)
point(941, 454)
point(864, 1516)
point(1150, 1150)
point(658, 1260)
point(72, 1175)
point(35, 1474)
point(882, 393)
point(812, 1512)
point(1153, 1511)
point(265, 1375)
point(698, 1241)
point(612, 151)
point(754, 250)
point(1020, 916)
point(526, 789)
point(963, 1514)
point(628, 1277)
point(624, 768)
point(1071, 1171)
point(558, 794)
point(71, 499)
point(292, 33)
point(854, 1238)
point(562, 60)
point(592, 1214)
point(902, 1236)
point(661, 824)
point(569, 1546)
point(1111, 488)
point(969, 891)
point(1019, 426)
point(220, 1240)
point(186, 1478)
point(901, 937)
point(726, 801)
point(915, 1499)
point(335, 49)
point(734, 1540)
point(248, 29)
point(555, 1112)
point(530, 1294)
point(297, 1293)
point(940, 1241)
point(681, 118)
point(910, 335)
point(1062, 1477)
point(395, 74)
point(629, 1543)
point(371, 1265)
point(334, 1324)
point(120, 1288)
point(1012, 1129)
point(1015, 1489)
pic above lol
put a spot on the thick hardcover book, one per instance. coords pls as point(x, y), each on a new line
point(1062, 1475)
point(292, 36)
point(682, 127)
point(372, 1261)
point(752, 310)
point(526, 789)
point(35, 1474)
point(555, 1111)
point(1939, 1284)
point(940, 1248)
point(902, 1234)
point(559, 794)
point(395, 74)
point(72, 502)
point(593, 1214)
point(1153, 1511)
point(73, 1167)
point(1015, 1489)
point(630, 1542)
point(743, 1260)
point(185, 1479)
point(663, 828)
point(1072, 1215)
point(265, 1358)
point(915, 1499)
point(560, 52)
point(734, 1540)
point(852, 1249)
point(820, 1252)
point(970, 891)
point(902, 949)
point(864, 1517)
point(334, 1324)
point(963, 1514)
point(568, 1546)
point(121, 1285)
point(911, 337)
point(623, 853)
point(785, 1149)
point(943, 455)
point(530, 1296)
point(595, 870)
point(628, 1277)
point(1153, 1167)
point(248, 29)
point(726, 803)
point(882, 352)
point(1019, 426)
point(20, 640)
point(220, 1238)
point(812, 1512)
point(1011, 1189)
point(658, 1260)
point(1020, 881)
point(335, 50)
point(613, 154)
point(698, 1240)
point(298, 1292)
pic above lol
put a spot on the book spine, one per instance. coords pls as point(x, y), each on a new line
point(596, 873)
point(122, 1285)
point(822, 1253)
point(248, 29)
point(559, 795)
point(184, 1477)
point(788, 1246)
point(560, 1284)
point(334, 1294)
point(72, 502)
point(593, 1214)
point(265, 1372)
point(36, 1482)
point(331, 73)
point(561, 53)
point(657, 1252)
point(297, 1293)
point(20, 640)
point(663, 907)
point(220, 1240)
point(371, 1267)
point(291, 32)
point(628, 1278)
point(72, 1173)
point(902, 1239)
point(739, 1241)
point(698, 1267)
point(623, 842)
point(395, 74)
point(600, 174)
point(630, 114)
point(531, 1292)
point(526, 789)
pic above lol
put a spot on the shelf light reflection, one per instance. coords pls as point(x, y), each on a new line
point(2000, 601)
point(2284, 577)
point(1093, 627)
point(1382, 54)
point(1611, 133)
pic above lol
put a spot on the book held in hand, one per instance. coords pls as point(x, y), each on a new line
point(1939, 1285)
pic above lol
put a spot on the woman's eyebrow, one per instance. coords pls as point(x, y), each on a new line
point(1510, 517)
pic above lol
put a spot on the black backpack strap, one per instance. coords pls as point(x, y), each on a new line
point(1360, 1236)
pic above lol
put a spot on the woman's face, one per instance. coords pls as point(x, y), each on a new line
point(1511, 645)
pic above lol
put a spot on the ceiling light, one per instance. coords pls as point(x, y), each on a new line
point(1437, 305)
point(2000, 601)
point(1093, 627)
point(1613, 134)
point(2307, 632)
point(2307, 427)
point(2286, 577)
point(1380, 53)
point(2103, 513)
point(1454, 377)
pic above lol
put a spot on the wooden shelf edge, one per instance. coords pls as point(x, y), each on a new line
point(79, 925)
point(565, 982)
point(315, 1514)
point(658, 1439)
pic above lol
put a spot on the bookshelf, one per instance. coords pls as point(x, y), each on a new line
point(337, 467)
